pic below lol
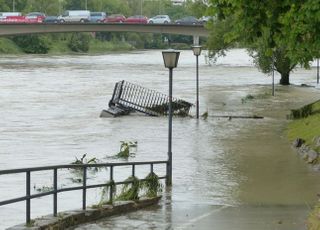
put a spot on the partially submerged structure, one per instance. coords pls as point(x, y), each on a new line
point(128, 97)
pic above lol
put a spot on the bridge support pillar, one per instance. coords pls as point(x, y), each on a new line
point(195, 40)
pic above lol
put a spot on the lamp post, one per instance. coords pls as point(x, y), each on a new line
point(170, 58)
point(318, 71)
point(197, 51)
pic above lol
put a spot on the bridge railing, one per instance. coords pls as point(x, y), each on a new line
point(84, 187)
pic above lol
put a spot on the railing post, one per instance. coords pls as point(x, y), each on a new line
point(133, 171)
point(28, 193)
point(151, 168)
point(84, 191)
point(55, 194)
point(111, 186)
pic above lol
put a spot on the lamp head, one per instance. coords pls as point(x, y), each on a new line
point(170, 58)
point(196, 50)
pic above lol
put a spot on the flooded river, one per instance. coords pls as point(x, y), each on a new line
point(235, 174)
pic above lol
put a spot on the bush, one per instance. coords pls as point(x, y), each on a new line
point(7, 46)
point(79, 42)
point(33, 44)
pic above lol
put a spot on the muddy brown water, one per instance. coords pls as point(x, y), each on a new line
point(50, 109)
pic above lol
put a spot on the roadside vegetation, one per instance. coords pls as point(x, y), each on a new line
point(305, 126)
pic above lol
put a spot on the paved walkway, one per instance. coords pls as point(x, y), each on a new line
point(182, 216)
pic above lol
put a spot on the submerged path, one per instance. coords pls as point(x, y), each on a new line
point(270, 186)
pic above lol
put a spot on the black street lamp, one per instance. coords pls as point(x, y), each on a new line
point(318, 71)
point(170, 58)
point(197, 52)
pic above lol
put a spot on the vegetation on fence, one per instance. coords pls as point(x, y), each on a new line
point(132, 190)
point(78, 172)
point(126, 149)
point(305, 111)
point(179, 108)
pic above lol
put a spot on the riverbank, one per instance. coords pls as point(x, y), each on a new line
point(304, 132)
point(62, 46)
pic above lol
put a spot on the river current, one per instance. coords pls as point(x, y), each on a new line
point(50, 108)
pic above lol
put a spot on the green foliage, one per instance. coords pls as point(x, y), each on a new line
point(78, 172)
point(125, 149)
point(105, 193)
point(313, 221)
point(302, 31)
point(179, 108)
point(33, 44)
point(305, 111)
point(79, 42)
point(84, 160)
point(306, 126)
point(7, 46)
point(131, 190)
point(265, 28)
point(43, 188)
point(152, 185)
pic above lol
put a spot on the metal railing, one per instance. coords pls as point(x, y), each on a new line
point(84, 167)
point(150, 102)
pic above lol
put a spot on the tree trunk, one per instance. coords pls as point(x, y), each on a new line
point(284, 79)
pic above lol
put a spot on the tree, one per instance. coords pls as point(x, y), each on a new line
point(79, 42)
point(4, 6)
point(260, 26)
point(33, 44)
point(49, 7)
point(302, 31)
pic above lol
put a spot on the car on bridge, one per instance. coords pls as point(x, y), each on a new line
point(35, 17)
point(189, 20)
point(51, 19)
point(97, 16)
point(160, 19)
point(139, 19)
point(114, 18)
point(75, 16)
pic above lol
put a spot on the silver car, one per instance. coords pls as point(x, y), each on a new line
point(160, 19)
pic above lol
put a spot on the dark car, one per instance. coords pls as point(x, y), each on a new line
point(97, 16)
point(190, 20)
point(115, 18)
point(51, 19)
point(139, 19)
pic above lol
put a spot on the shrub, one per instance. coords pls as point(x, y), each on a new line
point(79, 42)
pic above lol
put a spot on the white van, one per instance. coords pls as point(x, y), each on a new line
point(75, 16)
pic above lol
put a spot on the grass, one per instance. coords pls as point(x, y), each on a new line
point(7, 46)
point(306, 128)
point(313, 221)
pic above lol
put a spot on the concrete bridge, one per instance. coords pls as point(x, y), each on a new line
point(17, 29)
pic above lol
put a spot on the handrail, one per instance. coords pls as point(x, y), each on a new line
point(55, 191)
